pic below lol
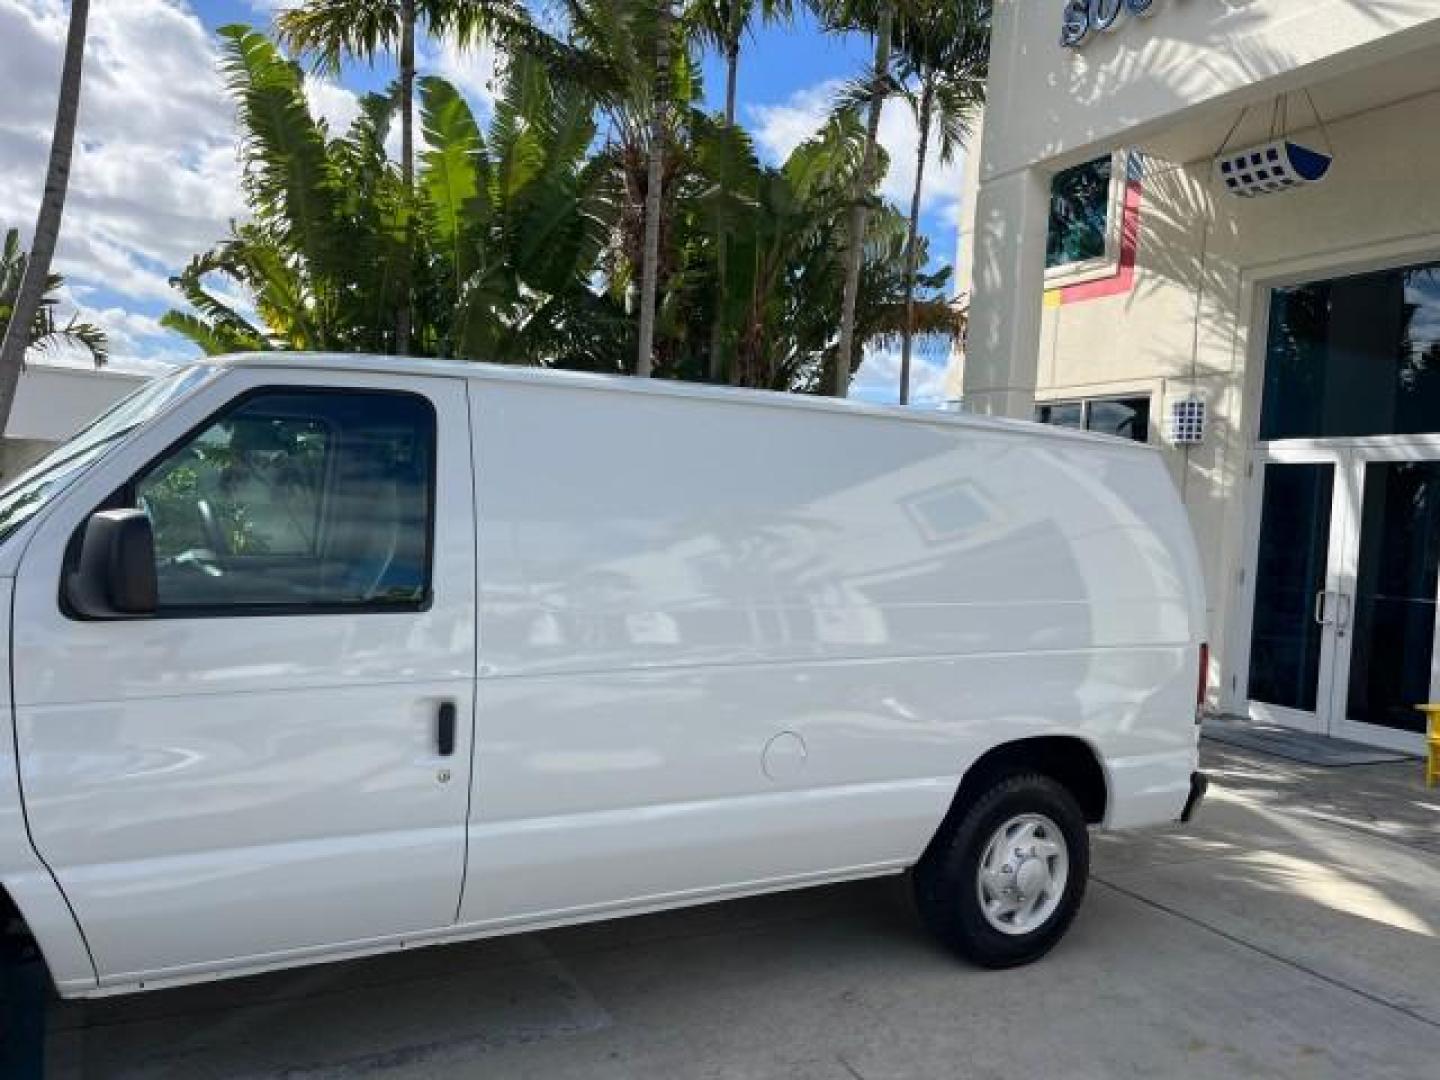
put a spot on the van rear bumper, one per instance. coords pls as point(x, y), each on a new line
point(1199, 785)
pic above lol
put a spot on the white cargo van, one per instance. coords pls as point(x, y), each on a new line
point(315, 657)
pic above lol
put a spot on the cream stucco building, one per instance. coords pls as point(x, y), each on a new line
point(1115, 276)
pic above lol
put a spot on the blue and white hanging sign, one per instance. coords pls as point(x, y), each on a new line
point(1083, 19)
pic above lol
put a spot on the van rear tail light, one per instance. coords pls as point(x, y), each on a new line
point(1202, 681)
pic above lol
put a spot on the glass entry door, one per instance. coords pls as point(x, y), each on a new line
point(1347, 576)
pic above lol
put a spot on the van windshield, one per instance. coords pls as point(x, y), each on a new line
point(33, 489)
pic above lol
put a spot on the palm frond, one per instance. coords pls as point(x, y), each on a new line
point(212, 340)
point(452, 175)
point(287, 176)
point(329, 30)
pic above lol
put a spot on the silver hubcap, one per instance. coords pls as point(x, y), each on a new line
point(1022, 874)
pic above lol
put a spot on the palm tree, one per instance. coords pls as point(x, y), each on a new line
point(654, 183)
point(519, 218)
point(529, 232)
point(509, 229)
point(36, 277)
point(321, 255)
point(786, 276)
point(876, 17)
point(330, 30)
point(634, 59)
point(44, 333)
point(944, 48)
point(724, 24)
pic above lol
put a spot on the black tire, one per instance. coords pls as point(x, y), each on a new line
point(24, 989)
point(946, 879)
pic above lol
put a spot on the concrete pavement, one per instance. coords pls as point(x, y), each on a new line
point(1291, 931)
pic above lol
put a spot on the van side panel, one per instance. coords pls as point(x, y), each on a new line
point(725, 644)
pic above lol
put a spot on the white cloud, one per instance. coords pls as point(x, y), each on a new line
point(137, 342)
point(878, 379)
point(779, 128)
point(331, 102)
point(477, 73)
point(393, 139)
point(154, 177)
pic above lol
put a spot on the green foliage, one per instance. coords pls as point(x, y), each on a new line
point(330, 30)
point(525, 233)
point(46, 332)
point(944, 48)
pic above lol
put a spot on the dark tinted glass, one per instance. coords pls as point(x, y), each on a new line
point(1129, 418)
point(1079, 213)
point(1294, 544)
point(1355, 356)
point(297, 499)
point(1068, 414)
point(1394, 617)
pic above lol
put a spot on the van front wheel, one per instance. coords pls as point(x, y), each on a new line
point(1004, 878)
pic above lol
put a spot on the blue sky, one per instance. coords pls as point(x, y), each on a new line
point(154, 180)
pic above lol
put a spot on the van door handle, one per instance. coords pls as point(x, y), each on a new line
point(445, 729)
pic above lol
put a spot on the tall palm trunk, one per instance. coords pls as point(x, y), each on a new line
point(864, 180)
point(912, 239)
point(47, 221)
point(403, 316)
point(732, 73)
point(722, 240)
point(650, 265)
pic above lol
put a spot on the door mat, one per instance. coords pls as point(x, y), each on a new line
point(1298, 745)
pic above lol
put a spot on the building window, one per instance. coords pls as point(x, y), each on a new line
point(1354, 356)
point(1066, 414)
point(1125, 418)
point(1080, 214)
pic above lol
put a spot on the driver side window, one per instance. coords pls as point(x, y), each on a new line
point(297, 499)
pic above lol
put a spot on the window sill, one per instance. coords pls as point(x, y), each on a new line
point(1082, 273)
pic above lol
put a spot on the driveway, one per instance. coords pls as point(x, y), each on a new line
point(1291, 931)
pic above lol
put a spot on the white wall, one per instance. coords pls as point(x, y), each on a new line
point(1190, 63)
point(1056, 106)
point(54, 402)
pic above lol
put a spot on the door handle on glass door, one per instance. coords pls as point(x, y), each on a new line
point(1322, 607)
point(445, 729)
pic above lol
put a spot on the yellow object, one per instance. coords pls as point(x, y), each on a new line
point(1432, 760)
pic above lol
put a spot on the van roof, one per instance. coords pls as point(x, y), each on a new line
point(581, 380)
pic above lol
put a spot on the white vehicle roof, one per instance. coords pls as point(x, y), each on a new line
point(555, 377)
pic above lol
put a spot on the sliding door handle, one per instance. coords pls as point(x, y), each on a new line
point(445, 729)
point(1342, 620)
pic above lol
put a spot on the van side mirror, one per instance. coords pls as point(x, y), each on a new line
point(115, 576)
